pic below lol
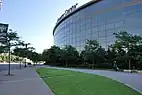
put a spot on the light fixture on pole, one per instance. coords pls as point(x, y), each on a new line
point(4, 39)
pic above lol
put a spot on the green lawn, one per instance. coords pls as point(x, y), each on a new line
point(63, 82)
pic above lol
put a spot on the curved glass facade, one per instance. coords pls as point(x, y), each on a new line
point(98, 22)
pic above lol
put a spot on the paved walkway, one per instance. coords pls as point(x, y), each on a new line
point(132, 80)
point(23, 82)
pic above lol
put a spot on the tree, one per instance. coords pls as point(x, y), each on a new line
point(12, 36)
point(90, 52)
point(52, 55)
point(126, 45)
point(12, 39)
point(70, 55)
point(100, 57)
point(111, 55)
point(34, 56)
point(139, 56)
point(2, 49)
point(45, 55)
point(26, 52)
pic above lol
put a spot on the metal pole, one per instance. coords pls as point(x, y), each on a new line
point(20, 64)
point(26, 55)
point(9, 60)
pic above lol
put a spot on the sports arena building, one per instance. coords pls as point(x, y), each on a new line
point(98, 20)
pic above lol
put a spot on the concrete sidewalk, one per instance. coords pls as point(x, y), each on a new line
point(23, 82)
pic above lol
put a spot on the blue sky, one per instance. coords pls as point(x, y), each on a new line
point(34, 20)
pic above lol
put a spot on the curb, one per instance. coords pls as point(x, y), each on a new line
point(106, 77)
point(45, 83)
point(120, 82)
point(124, 84)
point(112, 79)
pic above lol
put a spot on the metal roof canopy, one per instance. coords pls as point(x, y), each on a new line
point(3, 33)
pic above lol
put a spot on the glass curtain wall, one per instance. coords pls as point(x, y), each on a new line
point(98, 22)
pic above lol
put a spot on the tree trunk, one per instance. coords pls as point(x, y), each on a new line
point(9, 57)
point(93, 64)
point(129, 64)
point(2, 57)
point(66, 63)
